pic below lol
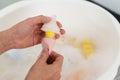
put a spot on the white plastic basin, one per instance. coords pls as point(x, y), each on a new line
point(81, 20)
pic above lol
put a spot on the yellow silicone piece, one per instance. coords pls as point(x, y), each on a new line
point(87, 48)
point(49, 34)
point(86, 42)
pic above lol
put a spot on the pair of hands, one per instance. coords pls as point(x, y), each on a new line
point(27, 33)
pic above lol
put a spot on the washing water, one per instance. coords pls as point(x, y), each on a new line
point(84, 21)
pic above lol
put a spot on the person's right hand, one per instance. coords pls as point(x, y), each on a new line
point(46, 67)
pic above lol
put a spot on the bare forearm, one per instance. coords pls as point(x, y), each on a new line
point(6, 42)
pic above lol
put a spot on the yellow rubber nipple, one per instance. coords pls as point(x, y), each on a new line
point(49, 34)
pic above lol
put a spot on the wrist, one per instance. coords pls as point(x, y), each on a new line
point(6, 41)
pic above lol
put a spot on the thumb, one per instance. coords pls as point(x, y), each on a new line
point(59, 59)
point(44, 56)
point(41, 19)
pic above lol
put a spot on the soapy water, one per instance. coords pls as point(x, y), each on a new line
point(75, 66)
point(15, 64)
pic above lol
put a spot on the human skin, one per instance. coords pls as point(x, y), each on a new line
point(24, 34)
point(42, 70)
point(27, 33)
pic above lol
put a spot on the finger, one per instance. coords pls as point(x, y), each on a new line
point(43, 57)
point(40, 25)
point(58, 59)
point(62, 31)
point(38, 36)
point(57, 36)
point(41, 19)
point(59, 24)
point(50, 59)
point(54, 54)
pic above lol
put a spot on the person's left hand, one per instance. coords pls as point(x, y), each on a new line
point(27, 33)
